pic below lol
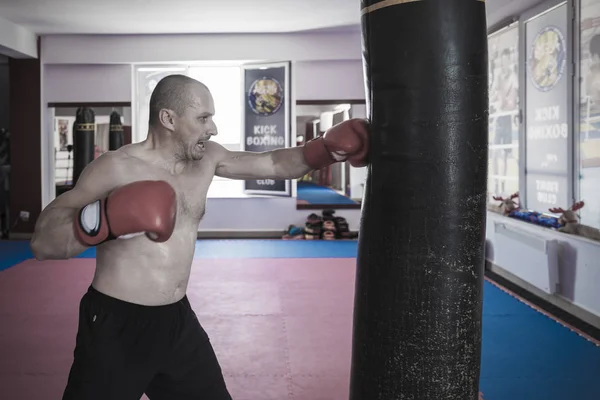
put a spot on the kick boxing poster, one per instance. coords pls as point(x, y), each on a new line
point(266, 119)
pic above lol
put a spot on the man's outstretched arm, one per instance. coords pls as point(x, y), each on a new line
point(346, 141)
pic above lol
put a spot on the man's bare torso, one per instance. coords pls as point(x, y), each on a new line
point(137, 269)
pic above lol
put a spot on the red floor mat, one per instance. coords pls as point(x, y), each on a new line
point(280, 327)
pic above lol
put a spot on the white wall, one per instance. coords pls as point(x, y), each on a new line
point(329, 80)
point(315, 80)
point(261, 214)
point(16, 41)
point(98, 69)
point(517, 247)
point(122, 49)
point(87, 83)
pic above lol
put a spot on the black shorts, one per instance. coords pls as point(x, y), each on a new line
point(124, 350)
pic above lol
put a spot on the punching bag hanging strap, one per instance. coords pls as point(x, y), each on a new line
point(419, 280)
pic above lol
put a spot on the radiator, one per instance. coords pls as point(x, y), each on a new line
point(527, 256)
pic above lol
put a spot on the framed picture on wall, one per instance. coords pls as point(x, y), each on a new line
point(63, 132)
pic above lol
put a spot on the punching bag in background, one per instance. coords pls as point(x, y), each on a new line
point(84, 134)
point(115, 133)
point(419, 281)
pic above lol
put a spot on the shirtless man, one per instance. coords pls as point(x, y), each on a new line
point(141, 206)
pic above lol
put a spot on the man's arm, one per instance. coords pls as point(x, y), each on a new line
point(277, 164)
point(347, 140)
point(54, 237)
point(105, 205)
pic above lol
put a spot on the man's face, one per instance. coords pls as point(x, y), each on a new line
point(196, 125)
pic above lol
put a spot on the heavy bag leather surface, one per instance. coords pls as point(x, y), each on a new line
point(419, 282)
point(115, 132)
point(84, 133)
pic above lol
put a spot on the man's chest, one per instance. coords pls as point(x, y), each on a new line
point(191, 187)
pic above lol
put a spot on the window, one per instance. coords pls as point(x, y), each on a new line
point(225, 85)
point(146, 78)
point(589, 128)
point(503, 175)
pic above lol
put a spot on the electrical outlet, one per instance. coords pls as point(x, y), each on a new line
point(24, 215)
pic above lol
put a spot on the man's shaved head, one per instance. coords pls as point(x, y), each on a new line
point(172, 92)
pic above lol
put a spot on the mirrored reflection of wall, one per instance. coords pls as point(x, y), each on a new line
point(587, 149)
point(504, 125)
point(63, 121)
point(339, 185)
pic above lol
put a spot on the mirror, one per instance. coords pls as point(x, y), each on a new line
point(340, 185)
point(63, 118)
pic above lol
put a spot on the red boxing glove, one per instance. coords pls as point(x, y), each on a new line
point(348, 140)
point(148, 207)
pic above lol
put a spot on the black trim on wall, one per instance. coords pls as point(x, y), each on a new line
point(327, 102)
point(328, 206)
point(91, 104)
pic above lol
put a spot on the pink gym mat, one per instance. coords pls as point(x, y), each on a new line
point(281, 328)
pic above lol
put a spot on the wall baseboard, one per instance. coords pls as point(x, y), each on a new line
point(555, 300)
point(228, 234)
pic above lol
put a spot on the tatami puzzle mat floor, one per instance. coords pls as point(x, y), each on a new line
point(279, 314)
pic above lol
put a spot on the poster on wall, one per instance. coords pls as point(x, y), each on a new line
point(504, 123)
point(547, 108)
point(266, 119)
point(589, 114)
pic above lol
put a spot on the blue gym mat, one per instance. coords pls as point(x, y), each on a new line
point(315, 194)
point(525, 355)
point(14, 252)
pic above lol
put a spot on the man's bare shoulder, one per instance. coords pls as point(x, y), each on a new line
point(113, 166)
point(215, 151)
point(215, 154)
point(111, 161)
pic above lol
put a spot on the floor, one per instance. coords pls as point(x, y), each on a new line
point(279, 314)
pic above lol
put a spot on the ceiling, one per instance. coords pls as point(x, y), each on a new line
point(178, 16)
point(45, 17)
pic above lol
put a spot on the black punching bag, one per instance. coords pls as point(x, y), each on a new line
point(115, 133)
point(419, 280)
point(83, 140)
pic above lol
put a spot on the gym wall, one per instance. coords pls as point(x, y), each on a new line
point(325, 66)
point(4, 88)
point(25, 140)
